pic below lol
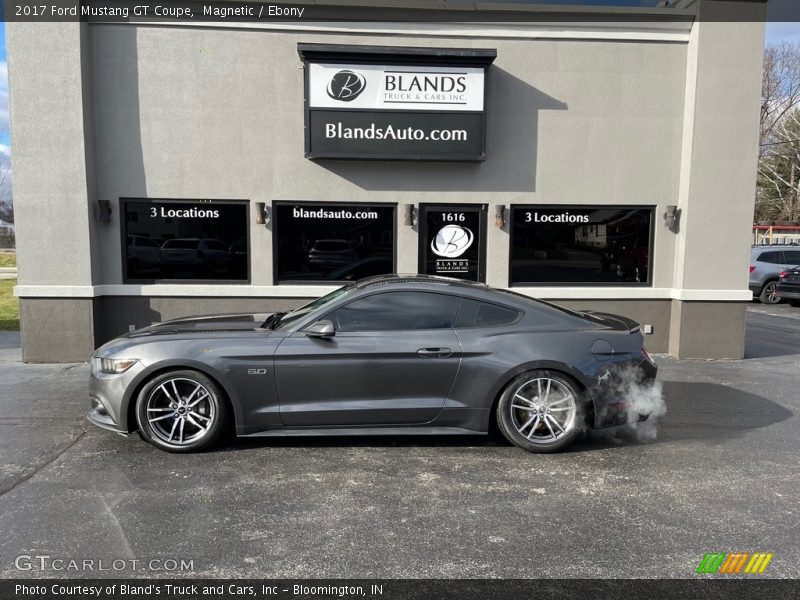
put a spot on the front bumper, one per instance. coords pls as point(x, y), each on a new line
point(109, 399)
point(625, 394)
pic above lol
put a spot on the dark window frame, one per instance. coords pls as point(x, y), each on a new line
point(458, 298)
point(123, 203)
point(275, 228)
point(550, 207)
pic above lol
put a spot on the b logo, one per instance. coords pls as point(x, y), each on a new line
point(452, 241)
point(346, 86)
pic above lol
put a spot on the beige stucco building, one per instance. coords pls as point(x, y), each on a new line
point(128, 138)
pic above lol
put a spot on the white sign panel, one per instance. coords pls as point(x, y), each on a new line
point(382, 87)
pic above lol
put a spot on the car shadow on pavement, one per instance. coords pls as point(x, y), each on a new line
point(695, 411)
point(365, 441)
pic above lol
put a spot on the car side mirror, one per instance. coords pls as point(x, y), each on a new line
point(321, 329)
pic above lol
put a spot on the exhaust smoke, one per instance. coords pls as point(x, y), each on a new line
point(628, 392)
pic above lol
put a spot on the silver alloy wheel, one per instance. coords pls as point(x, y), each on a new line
point(770, 290)
point(180, 411)
point(543, 410)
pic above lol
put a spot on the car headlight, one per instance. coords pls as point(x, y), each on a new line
point(112, 366)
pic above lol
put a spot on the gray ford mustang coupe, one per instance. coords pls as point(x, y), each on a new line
point(385, 355)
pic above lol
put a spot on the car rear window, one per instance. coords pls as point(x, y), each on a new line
point(473, 313)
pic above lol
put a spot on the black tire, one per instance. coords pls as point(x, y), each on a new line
point(194, 408)
point(767, 295)
point(510, 419)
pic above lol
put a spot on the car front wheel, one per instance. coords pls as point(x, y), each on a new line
point(181, 411)
point(540, 411)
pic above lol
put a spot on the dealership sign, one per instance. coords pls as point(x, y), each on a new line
point(385, 87)
point(395, 103)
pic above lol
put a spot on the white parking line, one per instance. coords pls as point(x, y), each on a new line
point(793, 315)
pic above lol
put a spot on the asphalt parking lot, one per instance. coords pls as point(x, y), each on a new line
point(723, 475)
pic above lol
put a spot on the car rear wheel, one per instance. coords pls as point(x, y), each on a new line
point(181, 411)
point(540, 411)
point(768, 295)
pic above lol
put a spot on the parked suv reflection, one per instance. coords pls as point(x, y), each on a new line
point(331, 254)
point(200, 257)
point(143, 255)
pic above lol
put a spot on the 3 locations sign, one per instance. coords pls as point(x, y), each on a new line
point(408, 104)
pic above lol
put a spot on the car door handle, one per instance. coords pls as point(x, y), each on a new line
point(434, 352)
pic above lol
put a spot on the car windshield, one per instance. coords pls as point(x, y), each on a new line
point(305, 310)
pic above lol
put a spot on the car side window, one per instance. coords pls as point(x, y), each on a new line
point(792, 257)
point(483, 314)
point(397, 311)
point(770, 257)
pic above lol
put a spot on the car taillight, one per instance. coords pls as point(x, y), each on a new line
point(752, 268)
point(783, 274)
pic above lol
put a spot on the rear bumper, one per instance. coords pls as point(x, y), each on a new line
point(625, 394)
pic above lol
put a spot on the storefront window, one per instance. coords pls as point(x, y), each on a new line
point(333, 242)
point(579, 245)
point(185, 240)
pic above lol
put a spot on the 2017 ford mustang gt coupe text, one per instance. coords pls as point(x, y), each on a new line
point(385, 355)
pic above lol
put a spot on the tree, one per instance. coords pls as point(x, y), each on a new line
point(779, 155)
point(779, 172)
point(6, 204)
point(6, 211)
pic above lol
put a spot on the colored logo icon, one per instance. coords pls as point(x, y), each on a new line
point(734, 562)
point(452, 241)
point(346, 86)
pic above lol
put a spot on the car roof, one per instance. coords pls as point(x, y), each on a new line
point(412, 279)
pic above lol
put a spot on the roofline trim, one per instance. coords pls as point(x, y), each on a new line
point(655, 31)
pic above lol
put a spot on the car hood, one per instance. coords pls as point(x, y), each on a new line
point(204, 324)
